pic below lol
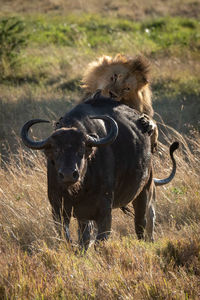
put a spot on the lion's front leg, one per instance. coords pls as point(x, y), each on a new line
point(151, 128)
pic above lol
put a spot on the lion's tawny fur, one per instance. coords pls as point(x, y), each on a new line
point(124, 78)
point(121, 77)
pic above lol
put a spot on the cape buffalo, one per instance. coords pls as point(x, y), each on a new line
point(99, 158)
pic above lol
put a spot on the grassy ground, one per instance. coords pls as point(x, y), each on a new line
point(42, 79)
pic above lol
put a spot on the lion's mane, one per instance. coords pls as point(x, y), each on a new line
point(122, 77)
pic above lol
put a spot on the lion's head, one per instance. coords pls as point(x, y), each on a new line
point(123, 78)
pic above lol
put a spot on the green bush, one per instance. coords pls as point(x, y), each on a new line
point(12, 40)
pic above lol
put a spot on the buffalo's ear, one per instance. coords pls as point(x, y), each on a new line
point(94, 135)
point(90, 151)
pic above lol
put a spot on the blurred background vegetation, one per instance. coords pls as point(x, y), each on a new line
point(45, 47)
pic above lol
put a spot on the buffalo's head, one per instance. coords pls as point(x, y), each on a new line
point(68, 149)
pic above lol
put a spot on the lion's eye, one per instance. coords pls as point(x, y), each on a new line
point(126, 89)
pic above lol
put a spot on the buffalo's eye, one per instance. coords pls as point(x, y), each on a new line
point(53, 162)
point(56, 152)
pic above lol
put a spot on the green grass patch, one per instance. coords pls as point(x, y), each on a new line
point(168, 32)
point(94, 30)
point(51, 43)
point(174, 87)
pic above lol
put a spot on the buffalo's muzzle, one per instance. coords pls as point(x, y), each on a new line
point(68, 176)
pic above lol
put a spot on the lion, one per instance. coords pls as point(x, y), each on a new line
point(125, 79)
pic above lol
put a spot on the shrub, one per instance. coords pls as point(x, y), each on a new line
point(12, 40)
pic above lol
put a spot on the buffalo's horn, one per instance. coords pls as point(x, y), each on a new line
point(27, 141)
point(111, 136)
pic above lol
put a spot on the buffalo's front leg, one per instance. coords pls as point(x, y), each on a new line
point(84, 231)
point(61, 206)
point(104, 220)
point(104, 227)
point(61, 218)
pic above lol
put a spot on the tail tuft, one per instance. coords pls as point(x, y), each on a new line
point(173, 147)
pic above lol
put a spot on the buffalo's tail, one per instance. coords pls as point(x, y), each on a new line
point(159, 182)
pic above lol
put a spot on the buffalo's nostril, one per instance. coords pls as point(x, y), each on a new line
point(61, 175)
point(67, 176)
point(75, 175)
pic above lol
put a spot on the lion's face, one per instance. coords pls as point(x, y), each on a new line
point(122, 78)
point(120, 83)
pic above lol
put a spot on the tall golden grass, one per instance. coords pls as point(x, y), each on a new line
point(35, 263)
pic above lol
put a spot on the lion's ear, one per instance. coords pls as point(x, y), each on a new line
point(141, 65)
point(145, 80)
point(120, 58)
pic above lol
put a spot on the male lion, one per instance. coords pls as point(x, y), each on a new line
point(125, 79)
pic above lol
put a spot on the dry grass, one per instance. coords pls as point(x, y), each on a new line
point(36, 264)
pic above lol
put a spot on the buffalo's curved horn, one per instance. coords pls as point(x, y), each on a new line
point(107, 140)
point(27, 141)
point(159, 182)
